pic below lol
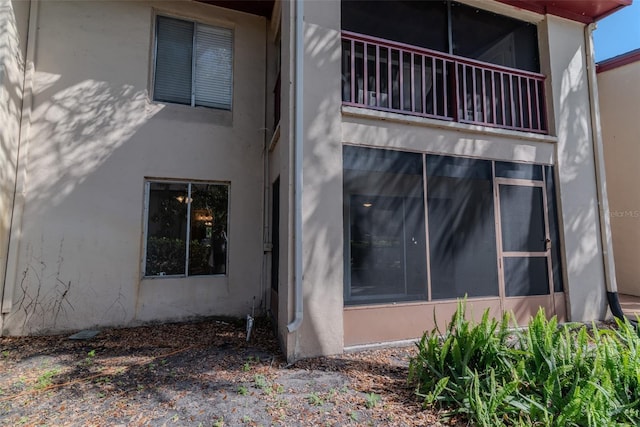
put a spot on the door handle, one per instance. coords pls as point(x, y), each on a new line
point(547, 244)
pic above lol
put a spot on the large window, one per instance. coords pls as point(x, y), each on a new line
point(385, 232)
point(193, 64)
point(461, 227)
point(186, 229)
point(429, 227)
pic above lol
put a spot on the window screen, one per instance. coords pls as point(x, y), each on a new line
point(522, 218)
point(526, 276)
point(475, 33)
point(493, 38)
point(384, 226)
point(554, 229)
point(419, 23)
point(194, 64)
point(519, 171)
point(462, 240)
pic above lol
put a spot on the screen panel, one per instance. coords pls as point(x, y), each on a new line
point(554, 230)
point(462, 242)
point(385, 239)
point(522, 219)
point(526, 276)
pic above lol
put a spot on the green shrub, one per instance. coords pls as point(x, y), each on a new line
point(542, 375)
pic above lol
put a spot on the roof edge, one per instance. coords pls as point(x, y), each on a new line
point(558, 9)
point(618, 61)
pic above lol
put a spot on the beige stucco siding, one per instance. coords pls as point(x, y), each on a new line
point(321, 331)
point(96, 135)
point(14, 17)
point(619, 92)
point(576, 170)
point(327, 324)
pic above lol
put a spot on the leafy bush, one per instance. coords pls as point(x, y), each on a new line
point(542, 375)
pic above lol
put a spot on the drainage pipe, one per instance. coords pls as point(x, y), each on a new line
point(297, 143)
point(603, 199)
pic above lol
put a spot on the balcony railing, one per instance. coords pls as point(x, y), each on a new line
point(389, 76)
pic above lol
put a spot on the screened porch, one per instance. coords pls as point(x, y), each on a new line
point(446, 61)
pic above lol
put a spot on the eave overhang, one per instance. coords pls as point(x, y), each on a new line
point(255, 7)
point(585, 11)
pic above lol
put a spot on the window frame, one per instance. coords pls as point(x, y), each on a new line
point(543, 175)
point(145, 224)
point(154, 58)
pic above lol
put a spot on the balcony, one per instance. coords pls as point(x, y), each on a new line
point(394, 77)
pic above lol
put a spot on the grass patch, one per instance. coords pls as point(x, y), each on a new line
point(315, 399)
point(371, 400)
point(543, 375)
point(46, 378)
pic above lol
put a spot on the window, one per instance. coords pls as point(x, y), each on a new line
point(193, 64)
point(383, 193)
point(462, 240)
point(428, 227)
point(186, 229)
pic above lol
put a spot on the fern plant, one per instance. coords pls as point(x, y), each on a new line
point(546, 374)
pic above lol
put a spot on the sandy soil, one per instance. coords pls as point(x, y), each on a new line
point(199, 374)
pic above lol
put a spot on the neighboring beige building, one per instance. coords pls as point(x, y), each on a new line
point(619, 92)
point(317, 160)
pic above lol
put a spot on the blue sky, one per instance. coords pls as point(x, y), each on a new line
point(618, 33)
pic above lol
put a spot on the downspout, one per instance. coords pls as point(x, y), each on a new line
point(603, 199)
point(265, 176)
point(298, 142)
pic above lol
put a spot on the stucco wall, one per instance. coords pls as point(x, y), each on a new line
point(321, 331)
point(95, 136)
point(568, 82)
point(619, 92)
point(14, 16)
point(327, 128)
point(321, 328)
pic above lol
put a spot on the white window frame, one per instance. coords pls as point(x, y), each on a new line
point(195, 23)
point(145, 219)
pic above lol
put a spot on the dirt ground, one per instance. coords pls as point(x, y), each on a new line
point(199, 374)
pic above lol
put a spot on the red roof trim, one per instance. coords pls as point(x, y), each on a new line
point(585, 11)
point(618, 61)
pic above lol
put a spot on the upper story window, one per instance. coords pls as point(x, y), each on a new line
point(193, 64)
point(448, 27)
